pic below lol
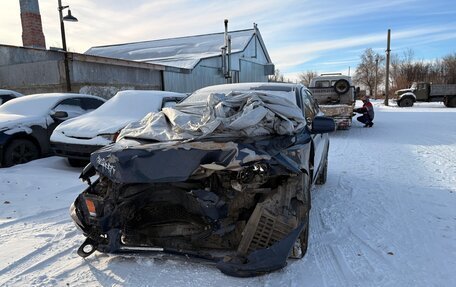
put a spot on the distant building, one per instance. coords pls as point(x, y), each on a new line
point(180, 65)
point(198, 61)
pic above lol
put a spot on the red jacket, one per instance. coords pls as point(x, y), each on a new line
point(367, 109)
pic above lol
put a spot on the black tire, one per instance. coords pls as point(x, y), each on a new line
point(303, 241)
point(321, 179)
point(341, 86)
point(20, 151)
point(300, 248)
point(406, 102)
point(74, 162)
point(450, 101)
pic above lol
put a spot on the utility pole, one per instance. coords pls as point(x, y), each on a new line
point(376, 76)
point(388, 50)
point(69, 18)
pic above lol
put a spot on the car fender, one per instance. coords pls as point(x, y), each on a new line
point(408, 94)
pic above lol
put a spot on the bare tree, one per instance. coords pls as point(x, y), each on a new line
point(449, 69)
point(277, 77)
point(305, 77)
point(365, 71)
point(405, 70)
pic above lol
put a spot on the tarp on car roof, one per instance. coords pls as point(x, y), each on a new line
point(236, 114)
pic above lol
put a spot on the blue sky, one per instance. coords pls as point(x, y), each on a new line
point(324, 36)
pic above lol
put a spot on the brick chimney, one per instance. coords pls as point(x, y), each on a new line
point(32, 30)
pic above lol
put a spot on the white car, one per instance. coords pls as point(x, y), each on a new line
point(77, 139)
point(6, 95)
point(27, 122)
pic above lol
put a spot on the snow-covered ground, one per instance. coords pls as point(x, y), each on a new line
point(385, 217)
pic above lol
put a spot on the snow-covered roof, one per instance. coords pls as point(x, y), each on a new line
point(37, 104)
point(10, 92)
point(183, 52)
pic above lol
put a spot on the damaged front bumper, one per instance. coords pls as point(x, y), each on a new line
point(243, 206)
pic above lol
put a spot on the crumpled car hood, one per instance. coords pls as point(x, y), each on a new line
point(177, 161)
point(226, 132)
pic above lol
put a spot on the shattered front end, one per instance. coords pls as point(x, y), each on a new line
point(219, 177)
point(244, 206)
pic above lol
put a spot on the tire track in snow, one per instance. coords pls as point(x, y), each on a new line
point(52, 239)
point(34, 262)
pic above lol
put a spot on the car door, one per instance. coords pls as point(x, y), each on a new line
point(73, 107)
point(311, 110)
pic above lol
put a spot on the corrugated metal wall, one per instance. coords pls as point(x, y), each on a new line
point(30, 71)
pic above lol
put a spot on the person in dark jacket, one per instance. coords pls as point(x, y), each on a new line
point(367, 111)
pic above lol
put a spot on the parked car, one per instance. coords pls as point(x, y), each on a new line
point(77, 138)
point(224, 176)
point(6, 95)
point(26, 123)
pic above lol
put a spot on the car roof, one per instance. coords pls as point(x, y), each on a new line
point(252, 86)
point(30, 102)
point(10, 92)
point(154, 93)
point(60, 96)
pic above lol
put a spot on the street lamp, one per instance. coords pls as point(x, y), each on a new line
point(69, 18)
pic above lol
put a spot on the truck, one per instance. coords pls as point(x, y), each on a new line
point(427, 92)
point(335, 94)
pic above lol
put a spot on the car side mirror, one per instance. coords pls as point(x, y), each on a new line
point(60, 115)
point(321, 125)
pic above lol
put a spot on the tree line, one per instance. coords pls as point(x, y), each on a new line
point(404, 70)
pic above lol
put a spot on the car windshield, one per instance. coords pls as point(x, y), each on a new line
point(133, 104)
point(33, 105)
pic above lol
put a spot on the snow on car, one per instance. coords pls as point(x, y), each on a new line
point(76, 139)
point(6, 95)
point(223, 176)
point(27, 122)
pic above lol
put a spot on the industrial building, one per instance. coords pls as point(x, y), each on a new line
point(198, 61)
point(179, 64)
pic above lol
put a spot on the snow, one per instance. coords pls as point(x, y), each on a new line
point(10, 92)
point(122, 109)
point(37, 105)
point(184, 52)
point(385, 217)
point(20, 114)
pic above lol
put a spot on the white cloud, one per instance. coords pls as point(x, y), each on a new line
point(295, 23)
point(300, 53)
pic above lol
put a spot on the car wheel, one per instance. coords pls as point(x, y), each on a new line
point(74, 162)
point(20, 151)
point(341, 86)
point(450, 102)
point(406, 102)
point(321, 179)
point(300, 247)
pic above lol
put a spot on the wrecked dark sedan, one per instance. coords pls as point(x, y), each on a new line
point(223, 176)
